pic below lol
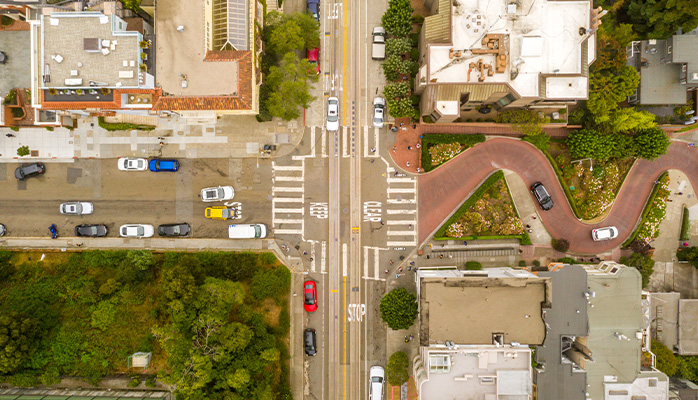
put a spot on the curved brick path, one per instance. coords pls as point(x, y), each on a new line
point(444, 189)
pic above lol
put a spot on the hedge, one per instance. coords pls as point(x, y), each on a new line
point(491, 180)
point(427, 139)
point(685, 225)
point(645, 211)
point(123, 126)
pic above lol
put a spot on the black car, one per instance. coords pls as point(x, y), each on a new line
point(28, 170)
point(174, 229)
point(91, 230)
point(539, 192)
point(309, 342)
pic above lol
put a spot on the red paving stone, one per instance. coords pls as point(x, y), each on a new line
point(443, 190)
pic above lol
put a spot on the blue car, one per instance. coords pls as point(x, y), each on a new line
point(157, 165)
point(314, 8)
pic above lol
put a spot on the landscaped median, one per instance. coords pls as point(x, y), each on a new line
point(652, 215)
point(123, 126)
point(439, 148)
point(488, 213)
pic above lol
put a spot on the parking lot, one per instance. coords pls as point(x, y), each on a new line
point(27, 208)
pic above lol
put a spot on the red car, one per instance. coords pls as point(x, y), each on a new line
point(313, 57)
point(310, 296)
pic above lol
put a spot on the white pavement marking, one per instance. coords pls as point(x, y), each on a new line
point(402, 211)
point(288, 231)
point(401, 201)
point(312, 255)
point(287, 200)
point(324, 142)
point(376, 262)
point(288, 189)
point(312, 141)
point(400, 233)
point(399, 190)
point(401, 180)
point(366, 261)
point(286, 167)
point(289, 210)
point(365, 129)
point(402, 244)
point(345, 140)
point(344, 259)
point(293, 192)
point(288, 178)
point(288, 221)
point(401, 222)
point(324, 257)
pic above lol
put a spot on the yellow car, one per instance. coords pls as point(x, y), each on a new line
point(220, 212)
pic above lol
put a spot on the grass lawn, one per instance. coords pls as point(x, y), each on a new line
point(488, 214)
point(594, 191)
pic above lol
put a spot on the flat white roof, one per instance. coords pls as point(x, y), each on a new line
point(543, 37)
point(566, 87)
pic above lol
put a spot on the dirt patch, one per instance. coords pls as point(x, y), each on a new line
point(271, 312)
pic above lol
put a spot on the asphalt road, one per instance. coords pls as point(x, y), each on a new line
point(28, 207)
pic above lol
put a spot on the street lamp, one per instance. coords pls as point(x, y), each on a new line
point(591, 163)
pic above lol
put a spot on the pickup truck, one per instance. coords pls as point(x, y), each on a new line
point(378, 51)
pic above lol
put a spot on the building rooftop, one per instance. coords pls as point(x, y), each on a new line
point(659, 80)
point(182, 68)
point(502, 42)
point(479, 373)
point(561, 378)
point(688, 327)
point(664, 316)
point(508, 306)
point(686, 52)
point(78, 48)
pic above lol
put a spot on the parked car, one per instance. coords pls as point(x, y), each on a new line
point(3, 230)
point(378, 48)
point(313, 57)
point(314, 8)
point(91, 230)
point(157, 165)
point(136, 230)
point(182, 229)
point(310, 296)
point(332, 114)
point(247, 231)
point(220, 212)
point(607, 233)
point(132, 164)
point(28, 170)
point(309, 342)
point(375, 383)
point(378, 111)
point(77, 208)
point(219, 193)
point(542, 196)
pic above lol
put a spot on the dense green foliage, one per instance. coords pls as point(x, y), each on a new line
point(561, 245)
point(211, 333)
point(661, 18)
point(396, 90)
point(666, 360)
point(689, 254)
point(648, 143)
point(473, 265)
point(643, 263)
point(397, 46)
point(399, 309)
point(288, 79)
point(397, 20)
point(23, 151)
point(123, 126)
point(652, 215)
point(467, 141)
point(396, 372)
point(685, 225)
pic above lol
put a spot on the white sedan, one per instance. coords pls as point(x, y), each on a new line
point(77, 208)
point(378, 112)
point(332, 114)
point(136, 230)
point(133, 164)
point(607, 233)
point(219, 193)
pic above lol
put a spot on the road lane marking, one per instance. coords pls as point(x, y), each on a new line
point(401, 201)
point(288, 179)
point(312, 255)
point(288, 210)
point(399, 190)
point(345, 139)
point(344, 260)
point(324, 257)
point(286, 167)
point(324, 142)
point(366, 261)
point(401, 222)
point(288, 231)
point(401, 233)
point(291, 189)
point(402, 244)
point(287, 200)
point(401, 211)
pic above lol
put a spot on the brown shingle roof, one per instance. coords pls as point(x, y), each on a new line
point(243, 100)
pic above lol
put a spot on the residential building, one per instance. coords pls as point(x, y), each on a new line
point(208, 56)
point(668, 69)
point(503, 54)
point(481, 350)
point(674, 322)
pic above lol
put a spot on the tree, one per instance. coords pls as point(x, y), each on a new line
point(17, 336)
point(689, 254)
point(630, 120)
point(396, 90)
point(290, 87)
point(651, 143)
point(661, 18)
point(399, 309)
point(23, 151)
point(641, 262)
point(587, 143)
point(688, 368)
point(666, 360)
point(396, 372)
point(291, 32)
point(402, 108)
point(397, 46)
point(540, 140)
point(391, 68)
point(561, 245)
point(132, 4)
point(141, 259)
point(271, 282)
point(608, 88)
point(397, 19)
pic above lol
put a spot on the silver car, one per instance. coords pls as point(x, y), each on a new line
point(607, 233)
point(77, 208)
point(332, 114)
point(136, 230)
point(219, 193)
point(378, 112)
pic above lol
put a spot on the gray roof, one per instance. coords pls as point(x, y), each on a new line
point(686, 51)
point(688, 327)
point(659, 80)
point(567, 317)
point(664, 317)
point(615, 316)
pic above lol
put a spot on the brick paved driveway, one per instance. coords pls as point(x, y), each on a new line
point(444, 190)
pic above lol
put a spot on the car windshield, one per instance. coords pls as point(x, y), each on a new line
point(376, 379)
point(140, 231)
point(211, 193)
point(175, 229)
point(92, 230)
point(309, 298)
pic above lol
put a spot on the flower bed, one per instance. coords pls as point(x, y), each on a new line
point(591, 192)
point(488, 214)
point(653, 214)
point(439, 148)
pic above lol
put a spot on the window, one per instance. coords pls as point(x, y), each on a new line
point(440, 363)
point(504, 101)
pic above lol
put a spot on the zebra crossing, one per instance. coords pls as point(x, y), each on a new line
point(401, 209)
point(288, 201)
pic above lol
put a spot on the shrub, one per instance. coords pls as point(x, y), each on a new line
point(397, 46)
point(267, 258)
point(150, 382)
point(522, 263)
point(396, 90)
point(540, 140)
point(123, 126)
point(561, 245)
point(473, 266)
point(685, 225)
point(23, 151)
point(536, 263)
point(666, 360)
point(398, 309)
point(135, 381)
point(641, 262)
point(270, 282)
point(567, 260)
point(396, 372)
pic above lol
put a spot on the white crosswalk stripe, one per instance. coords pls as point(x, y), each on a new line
point(372, 269)
point(401, 210)
point(288, 203)
point(314, 260)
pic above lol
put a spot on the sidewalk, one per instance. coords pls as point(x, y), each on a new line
point(230, 137)
point(155, 244)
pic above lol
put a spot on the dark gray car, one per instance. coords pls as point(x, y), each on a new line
point(91, 230)
point(309, 342)
point(182, 229)
point(542, 196)
point(28, 170)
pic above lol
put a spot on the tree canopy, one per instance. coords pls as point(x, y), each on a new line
point(648, 143)
point(643, 263)
point(399, 309)
point(290, 84)
point(666, 360)
point(17, 335)
point(659, 19)
point(396, 372)
point(397, 19)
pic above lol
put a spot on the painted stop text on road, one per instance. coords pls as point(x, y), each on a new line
point(356, 312)
point(372, 211)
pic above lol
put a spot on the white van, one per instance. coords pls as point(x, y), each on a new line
point(375, 383)
point(247, 231)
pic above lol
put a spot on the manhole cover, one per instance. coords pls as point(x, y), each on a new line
point(398, 197)
point(345, 210)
